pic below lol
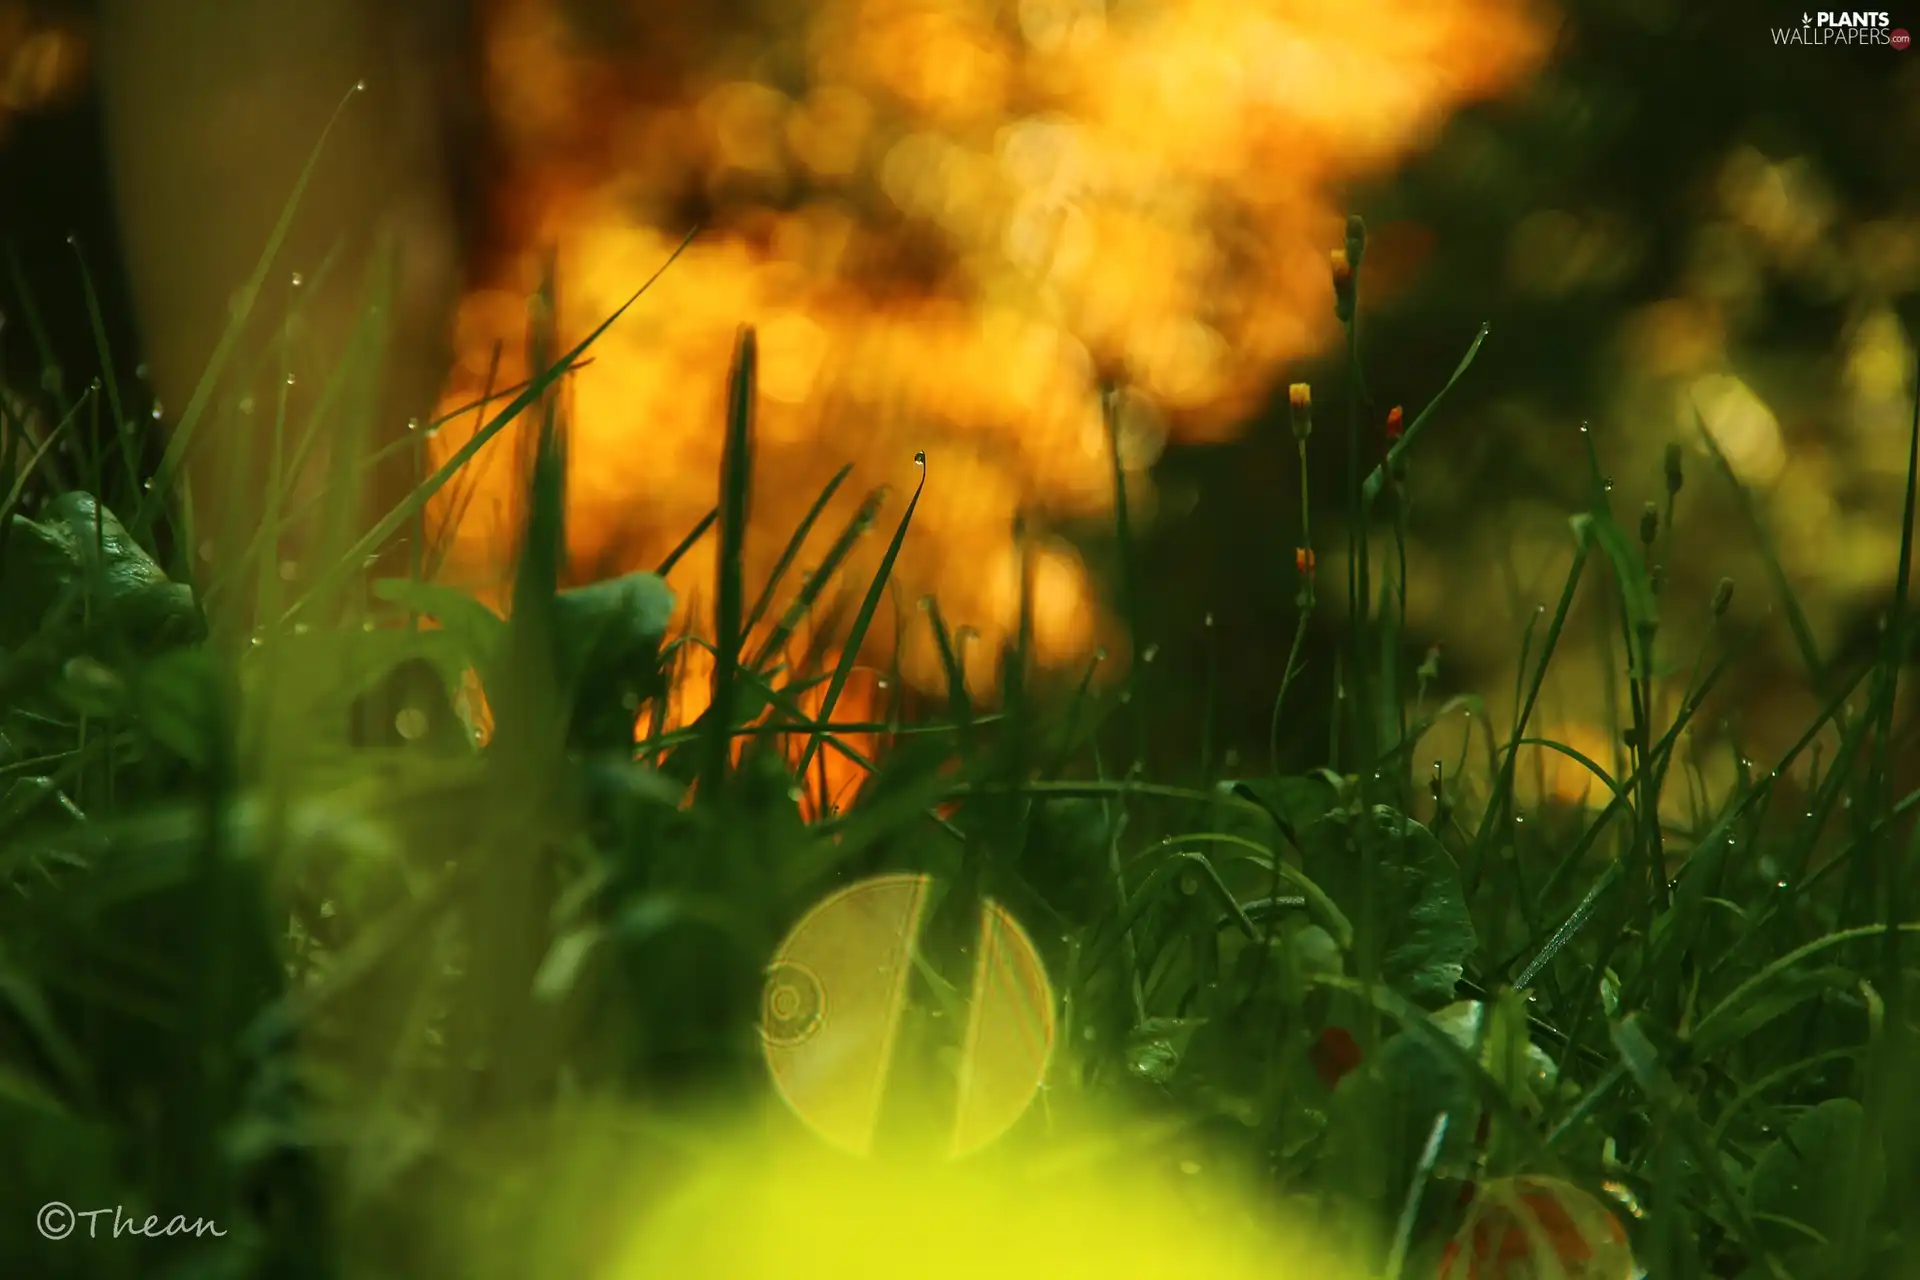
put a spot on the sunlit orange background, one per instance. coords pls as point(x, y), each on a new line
point(950, 222)
point(42, 63)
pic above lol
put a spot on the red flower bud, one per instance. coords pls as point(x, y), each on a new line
point(1333, 1055)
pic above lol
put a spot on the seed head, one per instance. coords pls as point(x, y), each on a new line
point(1722, 597)
point(1674, 477)
point(1649, 524)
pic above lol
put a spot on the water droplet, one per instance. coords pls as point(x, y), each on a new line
point(883, 684)
point(366, 624)
point(157, 410)
point(1779, 884)
point(1208, 620)
point(147, 486)
point(359, 86)
point(73, 239)
point(141, 371)
point(413, 424)
point(1100, 654)
point(296, 280)
point(920, 458)
point(301, 628)
point(289, 570)
point(289, 379)
point(257, 640)
point(246, 404)
point(1583, 429)
point(1152, 652)
point(1190, 1167)
point(411, 723)
point(206, 550)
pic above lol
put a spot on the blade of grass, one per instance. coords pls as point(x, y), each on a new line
point(189, 422)
point(424, 492)
point(792, 549)
point(1776, 573)
point(736, 492)
point(850, 651)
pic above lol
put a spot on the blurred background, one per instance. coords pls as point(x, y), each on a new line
point(952, 223)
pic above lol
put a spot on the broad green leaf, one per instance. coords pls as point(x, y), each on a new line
point(78, 559)
point(1416, 901)
point(1803, 1177)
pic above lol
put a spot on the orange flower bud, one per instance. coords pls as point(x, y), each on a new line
point(1300, 400)
point(1342, 285)
point(1303, 560)
point(1395, 429)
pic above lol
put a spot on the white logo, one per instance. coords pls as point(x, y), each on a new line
point(1845, 28)
point(1825, 19)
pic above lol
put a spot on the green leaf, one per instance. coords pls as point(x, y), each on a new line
point(480, 630)
point(1416, 898)
point(1803, 1177)
point(1156, 1047)
point(79, 558)
point(1630, 574)
point(613, 623)
point(1294, 803)
point(174, 698)
point(609, 635)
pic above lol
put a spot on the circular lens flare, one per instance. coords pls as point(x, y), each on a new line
point(837, 995)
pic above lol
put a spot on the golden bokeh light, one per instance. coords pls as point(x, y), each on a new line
point(836, 996)
point(1742, 425)
point(41, 63)
point(950, 230)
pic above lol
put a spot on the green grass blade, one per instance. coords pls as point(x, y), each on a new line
point(850, 651)
point(189, 422)
point(736, 493)
point(424, 492)
point(792, 549)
